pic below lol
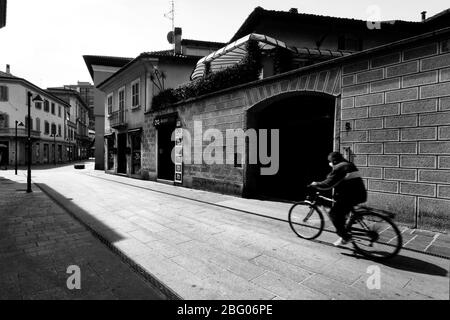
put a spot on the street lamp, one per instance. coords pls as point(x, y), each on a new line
point(30, 98)
point(18, 124)
point(54, 135)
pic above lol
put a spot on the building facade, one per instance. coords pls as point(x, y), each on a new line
point(48, 123)
point(101, 68)
point(77, 128)
point(129, 94)
point(86, 91)
point(131, 88)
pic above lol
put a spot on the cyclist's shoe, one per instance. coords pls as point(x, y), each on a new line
point(340, 242)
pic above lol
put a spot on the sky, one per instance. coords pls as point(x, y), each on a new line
point(44, 40)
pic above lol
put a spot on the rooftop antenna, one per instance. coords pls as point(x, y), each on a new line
point(171, 15)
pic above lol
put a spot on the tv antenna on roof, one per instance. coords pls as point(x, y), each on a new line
point(171, 15)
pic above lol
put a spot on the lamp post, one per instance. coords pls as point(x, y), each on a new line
point(30, 98)
point(18, 124)
point(54, 135)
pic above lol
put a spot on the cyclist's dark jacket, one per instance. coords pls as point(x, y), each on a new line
point(347, 183)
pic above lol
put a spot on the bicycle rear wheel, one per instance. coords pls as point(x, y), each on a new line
point(306, 220)
point(376, 236)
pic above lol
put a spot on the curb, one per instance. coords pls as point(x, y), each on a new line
point(163, 289)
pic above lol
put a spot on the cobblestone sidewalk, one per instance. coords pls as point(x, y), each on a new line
point(39, 241)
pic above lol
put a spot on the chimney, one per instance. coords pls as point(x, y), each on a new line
point(177, 40)
point(293, 10)
point(424, 15)
point(8, 69)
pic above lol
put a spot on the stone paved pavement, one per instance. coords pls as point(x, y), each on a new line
point(39, 241)
point(209, 252)
point(432, 242)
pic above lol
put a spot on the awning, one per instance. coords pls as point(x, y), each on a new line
point(317, 53)
point(234, 53)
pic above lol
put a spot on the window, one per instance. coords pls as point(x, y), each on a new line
point(59, 111)
point(46, 127)
point(38, 105)
point(4, 120)
point(135, 94)
point(3, 93)
point(53, 108)
point(121, 99)
point(38, 124)
point(53, 128)
point(59, 130)
point(46, 106)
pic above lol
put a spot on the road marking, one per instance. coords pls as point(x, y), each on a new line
point(409, 241)
point(397, 236)
point(384, 230)
point(432, 241)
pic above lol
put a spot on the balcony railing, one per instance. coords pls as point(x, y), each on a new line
point(21, 132)
point(118, 119)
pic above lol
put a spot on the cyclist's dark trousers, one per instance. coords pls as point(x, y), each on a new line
point(338, 216)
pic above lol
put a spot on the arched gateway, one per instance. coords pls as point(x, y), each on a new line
point(306, 112)
point(305, 121)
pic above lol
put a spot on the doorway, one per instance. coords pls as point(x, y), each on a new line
point(4, 153)
point(121, 153)
point(166, 167)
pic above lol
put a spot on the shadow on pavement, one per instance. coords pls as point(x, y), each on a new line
point(410, 264)
point(39, 242)
point(100, 230)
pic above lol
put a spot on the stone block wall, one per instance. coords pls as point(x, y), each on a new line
point(397, 105)
point(393, 116)
point(219, 112)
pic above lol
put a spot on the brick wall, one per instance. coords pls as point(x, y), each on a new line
point(398, 108)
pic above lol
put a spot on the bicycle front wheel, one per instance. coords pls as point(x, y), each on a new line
point(376, 236)
point(306, 220)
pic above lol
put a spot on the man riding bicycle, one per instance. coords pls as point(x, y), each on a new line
point(349, 190)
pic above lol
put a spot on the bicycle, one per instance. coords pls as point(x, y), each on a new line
point(363, 224)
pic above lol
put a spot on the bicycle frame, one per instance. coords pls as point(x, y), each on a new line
point(352, 218)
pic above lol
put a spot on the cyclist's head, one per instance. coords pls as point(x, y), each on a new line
point(335, 157)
